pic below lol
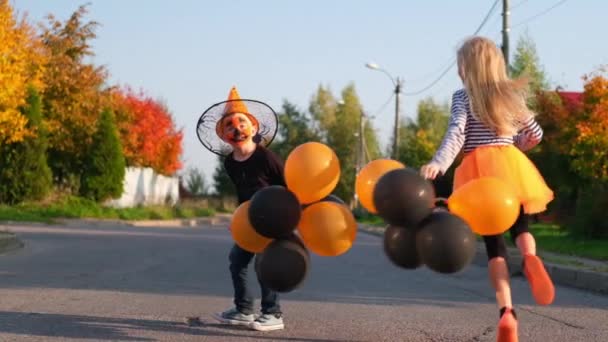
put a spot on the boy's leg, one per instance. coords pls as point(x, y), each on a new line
point(239, 264)
point(243, 312)
point(270, 300)
point(271, 318)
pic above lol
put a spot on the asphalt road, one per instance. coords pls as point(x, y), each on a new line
point(90, 282)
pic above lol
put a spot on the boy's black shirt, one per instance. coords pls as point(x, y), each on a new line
point(263, 168)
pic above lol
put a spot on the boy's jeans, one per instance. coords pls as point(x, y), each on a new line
point(239, 263)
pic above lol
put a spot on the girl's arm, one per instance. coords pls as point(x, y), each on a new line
point(529, 136)
point(454, 137)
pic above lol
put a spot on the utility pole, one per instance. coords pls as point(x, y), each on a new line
point(505, 31)
point(396, 133)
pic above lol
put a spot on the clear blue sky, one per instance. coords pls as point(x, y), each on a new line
point(190, 52)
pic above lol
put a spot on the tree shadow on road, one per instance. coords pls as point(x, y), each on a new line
point(123, 329)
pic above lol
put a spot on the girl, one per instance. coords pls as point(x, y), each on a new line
point(489, 117)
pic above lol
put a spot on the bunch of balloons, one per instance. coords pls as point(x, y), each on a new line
point(420, 233)
point(417, 233)
point(283, 223)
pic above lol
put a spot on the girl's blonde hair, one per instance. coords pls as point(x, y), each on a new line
point(496, 100)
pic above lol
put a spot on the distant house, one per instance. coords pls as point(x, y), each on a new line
point(572, 100)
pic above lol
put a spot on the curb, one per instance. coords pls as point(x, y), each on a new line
point(213, 220)
point(173, 223)
point(561, 275)
point(9, 242)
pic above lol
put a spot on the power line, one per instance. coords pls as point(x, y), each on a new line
point(483, 22)
point(434, 82)
point(383, 107)
point(434, 72)
point(540, 14)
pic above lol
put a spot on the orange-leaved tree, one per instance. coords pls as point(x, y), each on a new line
point(75, 93)
point(148, 132)
point(590, 150)
point(21, 62)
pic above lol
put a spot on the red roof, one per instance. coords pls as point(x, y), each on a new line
point(571, 98)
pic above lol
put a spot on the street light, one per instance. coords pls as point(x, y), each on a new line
point(397, 83)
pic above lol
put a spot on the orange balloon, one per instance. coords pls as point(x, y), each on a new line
point(368, 177)
point(244, 234)
point(312, 171)
point(328, 228)
point(489, 205)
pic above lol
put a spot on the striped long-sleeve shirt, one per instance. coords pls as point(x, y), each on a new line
point(466, 133)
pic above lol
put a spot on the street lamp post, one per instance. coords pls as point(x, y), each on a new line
point(397, 83)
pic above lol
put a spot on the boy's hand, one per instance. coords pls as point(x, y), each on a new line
point(430, 171)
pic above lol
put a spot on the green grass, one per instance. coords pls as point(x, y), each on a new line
point(549, 238)
point(552, 238)
point(75, 207)
point(371, 220)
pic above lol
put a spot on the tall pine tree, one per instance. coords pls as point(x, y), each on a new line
point(526, 63)
point(104, 167)
point(24, 172)
point(221, 181)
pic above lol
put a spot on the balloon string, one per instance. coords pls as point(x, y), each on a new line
point(441, 199)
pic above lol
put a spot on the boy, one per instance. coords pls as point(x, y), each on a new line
point(251, 167)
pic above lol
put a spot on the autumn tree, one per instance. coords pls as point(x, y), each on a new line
point(148, 133)
point(21, 65)
point(75, 92)
point(421, 138)
point(341, 137)
point(322, 110)
point(590, 158)
point(590, 151)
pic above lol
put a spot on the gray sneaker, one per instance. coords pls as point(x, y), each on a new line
point(268, 322)
point(234, 317)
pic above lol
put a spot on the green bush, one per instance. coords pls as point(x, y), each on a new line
point(24, 172)
point(591, 218)
point(104, 168)
point(77, 207)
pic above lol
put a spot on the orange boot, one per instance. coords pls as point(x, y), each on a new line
point(507, 326)
point(541, 285)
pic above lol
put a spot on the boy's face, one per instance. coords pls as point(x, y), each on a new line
point(237, 129)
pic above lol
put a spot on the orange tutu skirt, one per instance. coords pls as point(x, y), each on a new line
point(510, 165)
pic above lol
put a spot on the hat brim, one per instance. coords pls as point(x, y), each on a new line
point(207, 128)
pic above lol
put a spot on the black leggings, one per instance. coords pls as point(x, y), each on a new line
point(495, 244)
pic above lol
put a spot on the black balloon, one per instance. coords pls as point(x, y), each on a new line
point(445, 243)
point(400, 247)
point(284, 264)
point(274, 212)
point(403, 197)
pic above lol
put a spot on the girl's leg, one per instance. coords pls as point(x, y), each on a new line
point(520, 235)
point(541, 285)
point(499, 278)
point(498, 269)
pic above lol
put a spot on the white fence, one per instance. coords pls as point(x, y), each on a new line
point(143, 186)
